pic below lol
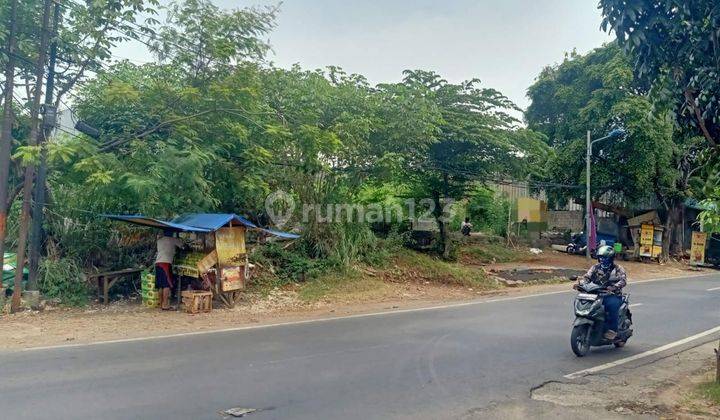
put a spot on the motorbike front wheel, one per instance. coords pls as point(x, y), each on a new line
point(580, 340)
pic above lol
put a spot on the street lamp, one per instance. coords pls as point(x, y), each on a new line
point(614, 134)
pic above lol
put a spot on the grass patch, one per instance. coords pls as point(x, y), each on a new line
point(411, 266)
point(363, 284)
point(350, 285)
point(710, 391)
point(490, 253)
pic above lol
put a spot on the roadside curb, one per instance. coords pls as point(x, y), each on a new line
point(678, 345)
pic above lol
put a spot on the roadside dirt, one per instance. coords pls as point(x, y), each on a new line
point(128, 319)
point(665, 388)
point(635, 270)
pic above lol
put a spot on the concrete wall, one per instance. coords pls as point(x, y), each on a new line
point(565, 219)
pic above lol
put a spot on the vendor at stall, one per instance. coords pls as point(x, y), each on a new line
point(167, 244)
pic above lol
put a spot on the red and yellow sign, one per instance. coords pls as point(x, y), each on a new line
point(697, 248)
point(647, 234)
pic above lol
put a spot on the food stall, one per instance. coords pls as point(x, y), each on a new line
point(216, 260)
point(647, 235)
point(651, 240)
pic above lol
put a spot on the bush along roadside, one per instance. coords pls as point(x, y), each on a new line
point(63, 279)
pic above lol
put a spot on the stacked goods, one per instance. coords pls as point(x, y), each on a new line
point(150, 295)
point(186, 264)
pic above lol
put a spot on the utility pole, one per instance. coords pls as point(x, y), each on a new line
point(588, 201)
point(32, 141)
point(614, 134)
point(7, 124)
point(49, 122)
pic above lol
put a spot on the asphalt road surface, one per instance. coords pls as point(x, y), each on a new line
point(434, 364)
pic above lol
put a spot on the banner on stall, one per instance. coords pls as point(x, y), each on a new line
point(230, 248)
point(697, 248)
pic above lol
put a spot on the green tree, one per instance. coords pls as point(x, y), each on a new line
point(474, 138)
point(205, 39)
point(674, 45)
point(82, 37)
point(564, 96)
point(213, 128)
point(169, 143)
point(653, 163)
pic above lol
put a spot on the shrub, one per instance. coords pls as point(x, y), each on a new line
point(488, 211)
point(305, 260)
point(289, 265)
point(63, 279)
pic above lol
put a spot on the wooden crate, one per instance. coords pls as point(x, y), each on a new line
point(196, 301)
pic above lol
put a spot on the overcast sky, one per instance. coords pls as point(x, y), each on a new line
point(504, 43)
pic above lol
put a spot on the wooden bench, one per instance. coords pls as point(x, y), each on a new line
point(106, 280)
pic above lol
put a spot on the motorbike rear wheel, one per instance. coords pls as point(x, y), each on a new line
point(580, 340)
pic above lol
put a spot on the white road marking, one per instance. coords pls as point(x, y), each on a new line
point(713, 289)
point(657, 350)
point(635, 304)
point(310, 321)
point(694, 276)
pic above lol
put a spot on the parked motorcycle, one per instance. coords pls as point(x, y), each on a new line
point(578, 243)
point(589, 326)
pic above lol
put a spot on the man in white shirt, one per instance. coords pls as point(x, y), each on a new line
point(166, 247)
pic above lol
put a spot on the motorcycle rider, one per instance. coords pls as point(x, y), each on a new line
point(613, 278)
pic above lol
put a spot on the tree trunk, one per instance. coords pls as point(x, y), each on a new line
point(30, 169)
point(671, 235)
point(443, 219)
point(445, 239)
point(36, 230)
point(7, 123)
point(445, 247)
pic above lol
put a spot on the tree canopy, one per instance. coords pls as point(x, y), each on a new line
point(596, 92)
point(674, 46)
point(674, 49)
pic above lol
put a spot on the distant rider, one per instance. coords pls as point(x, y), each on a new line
point(613, 278)
point(466, 227)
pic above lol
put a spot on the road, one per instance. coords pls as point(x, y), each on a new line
point(436, 363)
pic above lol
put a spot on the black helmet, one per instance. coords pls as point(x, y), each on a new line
point(606, 256)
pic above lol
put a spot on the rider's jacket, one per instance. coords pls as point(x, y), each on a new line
point(614, 276)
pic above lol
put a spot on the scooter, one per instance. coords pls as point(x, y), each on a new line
point(589, 326)
point(578, 243)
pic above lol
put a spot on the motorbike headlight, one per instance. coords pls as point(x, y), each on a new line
point(582, 308)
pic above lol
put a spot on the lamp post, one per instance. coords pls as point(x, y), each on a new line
point(588, 202)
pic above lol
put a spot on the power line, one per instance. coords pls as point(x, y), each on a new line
point(22, 103)
point(19, 57)
point(69, 133)
point(479, 176)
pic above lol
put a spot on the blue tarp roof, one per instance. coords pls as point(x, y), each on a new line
point(212, 221)
point(156, 223)
point(286, 235)
point(198, 222)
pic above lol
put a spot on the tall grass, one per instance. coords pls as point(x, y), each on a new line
point(63, 279)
